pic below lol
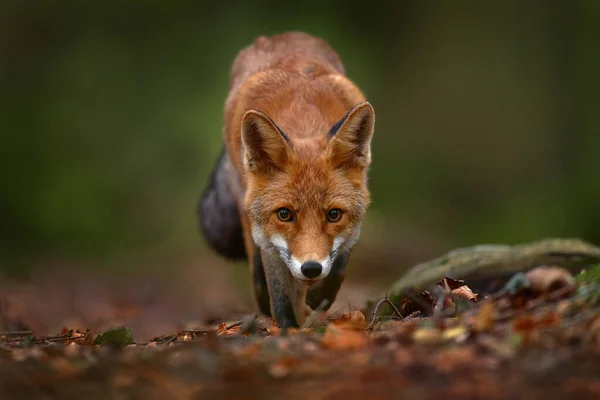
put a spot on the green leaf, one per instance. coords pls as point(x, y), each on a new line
point(121, 336)
point(589, 275)
point(589, 293)
point(28, 341)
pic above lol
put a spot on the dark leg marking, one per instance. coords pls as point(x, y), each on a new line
point(329, 287)
point(283, 310)
point(261, 292)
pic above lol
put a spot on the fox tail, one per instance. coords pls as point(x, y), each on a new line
point(218, 214)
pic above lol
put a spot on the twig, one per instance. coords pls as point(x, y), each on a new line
point(379, 303)
point(16, 333)
point(416, 297)
point(60, 339)
point(315, 314)
point(171, 340)
point(412, 315)
point(194, 332)
point(239, 323)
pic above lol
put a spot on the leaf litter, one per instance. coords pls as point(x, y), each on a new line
point(537, 336)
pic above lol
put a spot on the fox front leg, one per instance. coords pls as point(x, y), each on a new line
point(328, 288)
point(287, 295)
point(259, 283)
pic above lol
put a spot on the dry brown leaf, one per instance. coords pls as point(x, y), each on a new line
point(524, 323)
point(450, 284)
point(355, 315)
point(223, 330)
point(526, 326)
point(354, 320)
point(545, 279)
point(274, 330)
point(338, 336)
point(466, 293)
point(457, 287)
point(422, 302)
point(485, 318)
point(550, 319)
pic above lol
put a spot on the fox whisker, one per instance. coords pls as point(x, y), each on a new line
point(334, 253)
point(284, 252)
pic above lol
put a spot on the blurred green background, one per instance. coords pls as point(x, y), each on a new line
point(111, 112)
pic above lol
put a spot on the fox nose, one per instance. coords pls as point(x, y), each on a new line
point(311, 269)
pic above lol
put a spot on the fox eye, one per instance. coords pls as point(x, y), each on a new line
point(334, 215)
point(284, 214)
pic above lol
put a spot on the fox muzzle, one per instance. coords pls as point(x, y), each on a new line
point(311, 269)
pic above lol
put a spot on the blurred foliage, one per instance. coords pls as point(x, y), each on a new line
point(111, 112)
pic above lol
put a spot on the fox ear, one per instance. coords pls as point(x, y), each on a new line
point(266, 146)
point(350, 143)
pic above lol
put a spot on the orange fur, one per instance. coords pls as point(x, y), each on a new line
point(286, 94)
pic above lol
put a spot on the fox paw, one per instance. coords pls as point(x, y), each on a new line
point(307, 311)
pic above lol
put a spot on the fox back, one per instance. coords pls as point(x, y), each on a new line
point(292, 181)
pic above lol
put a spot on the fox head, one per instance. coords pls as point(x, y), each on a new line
point(306, 198)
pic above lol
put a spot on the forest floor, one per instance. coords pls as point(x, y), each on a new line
point(537, 337)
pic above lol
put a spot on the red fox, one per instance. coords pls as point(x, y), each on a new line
point(289, 190)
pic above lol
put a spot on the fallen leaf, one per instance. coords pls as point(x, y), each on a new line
point(426, 335)
point(355, 315)
point(274, 330)
point(338, 336)
point(121, 336)
point(485, 318)
point(550, 319)
point(457, 287)
point(225, 329)
point(524, 323)
point(543, 280)
point(526, 327)
point(421, 303)
point(466, 293)
point(221, 328)
point(354, 320)
point(450, 284)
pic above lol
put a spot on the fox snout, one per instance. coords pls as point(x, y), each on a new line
point(311, 269)
point(307, 270)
